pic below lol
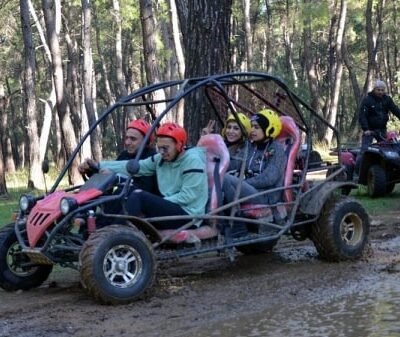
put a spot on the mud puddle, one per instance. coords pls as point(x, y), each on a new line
point(372, 312)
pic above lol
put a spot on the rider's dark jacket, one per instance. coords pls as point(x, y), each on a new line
point(146, 183)
point(374, 112)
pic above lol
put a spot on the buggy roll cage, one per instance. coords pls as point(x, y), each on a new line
point(296, 108)
point(187, 86)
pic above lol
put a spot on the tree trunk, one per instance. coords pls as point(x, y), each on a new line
point(35, 179)
point(354, 84)
point(149, 51)
point(73, 82)
point(51, 11)
point(373, 41)
point(268, 37)
point(14, 159)
point(120, 117)
point(50, 102)
point(338, 68)
point(394, 40)
point(311, 74)
point(118, 50)
point(110, 97)
point(248, 35)
point(88, 80)
point(234, 44)
point(5, 134)
point(207, 51)
point(3, 185)
point(176, 38)
point(47, 118)
point(171, 67)
point(287, 40)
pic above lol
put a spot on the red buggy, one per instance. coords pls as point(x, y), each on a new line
point(118, 262)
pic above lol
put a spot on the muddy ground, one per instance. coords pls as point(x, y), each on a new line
point(213, 297)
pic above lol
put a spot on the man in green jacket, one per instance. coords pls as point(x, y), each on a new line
point(181, 177)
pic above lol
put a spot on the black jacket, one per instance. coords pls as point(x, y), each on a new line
point(374, 112)
point(145, 183)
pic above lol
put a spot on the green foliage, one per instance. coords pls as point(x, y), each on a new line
point(130, 13)
point(376, 206)
point(316, 13)
point(9, 205)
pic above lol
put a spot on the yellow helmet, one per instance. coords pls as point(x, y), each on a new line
point(244, 120)
point(269, 121)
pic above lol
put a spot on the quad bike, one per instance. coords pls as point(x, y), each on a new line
point(118, 261)
point(379, 167)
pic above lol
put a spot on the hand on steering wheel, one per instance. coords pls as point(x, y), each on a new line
point(88, 168)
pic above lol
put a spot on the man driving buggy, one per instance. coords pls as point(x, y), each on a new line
point(181, 177)
point(134, 136)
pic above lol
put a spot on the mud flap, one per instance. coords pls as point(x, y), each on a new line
point(314, 199)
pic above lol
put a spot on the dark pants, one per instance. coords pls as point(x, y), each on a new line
point(141, 203)
point(366, 140)
point(230, 184)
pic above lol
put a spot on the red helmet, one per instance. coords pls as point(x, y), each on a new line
point(174, 131)
point(140, 125)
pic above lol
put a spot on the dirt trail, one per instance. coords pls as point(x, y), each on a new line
point(195, 295)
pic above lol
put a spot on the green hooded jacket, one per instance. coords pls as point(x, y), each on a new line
point(183, 181)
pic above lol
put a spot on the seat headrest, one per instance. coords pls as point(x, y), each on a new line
point(289, 128)
point(215, 147)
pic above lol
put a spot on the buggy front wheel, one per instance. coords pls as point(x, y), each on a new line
point(341, 231)
point(16, 269)
point(117, 264)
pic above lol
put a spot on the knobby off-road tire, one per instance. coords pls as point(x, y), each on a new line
point(376, 181)
point(118, 264)
point(341, 231)
point(16, 271)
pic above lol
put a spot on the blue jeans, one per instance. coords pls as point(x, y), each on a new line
point(229, 185)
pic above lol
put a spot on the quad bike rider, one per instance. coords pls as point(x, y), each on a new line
point(118, 263)
point(375, 165)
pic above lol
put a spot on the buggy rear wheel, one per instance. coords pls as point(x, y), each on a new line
point(376, 180)
point(341, 231)
point(117, 264)
point(16, 269)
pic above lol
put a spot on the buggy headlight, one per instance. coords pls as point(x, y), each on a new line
point(67, 205)
point(26, 202)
